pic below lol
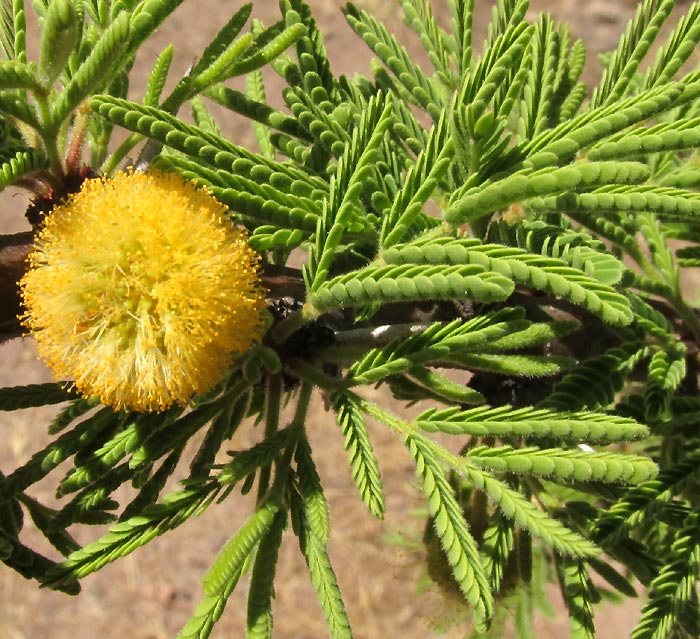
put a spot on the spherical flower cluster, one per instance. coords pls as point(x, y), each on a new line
point(140, 290)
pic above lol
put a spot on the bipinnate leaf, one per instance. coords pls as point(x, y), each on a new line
point(563, 142)
point(31, 395)
point(31, 564)
point(411, 76)
point(262, 455)
point(265, 54)
point(323, 577)
point(146, 18)
point(237, 550)
point(436, 343)
point(69, 413)
point(483, 200)
point(68, 444)
point(20, 109)
point(363, 462)
point(311, 492)
point(265, 205)
point(667, 368)
point(459, 545)
point(16, 75)
point(497, 547)
point(675, 586)
point(579, 594)
point(98, 66)
point(594, 383)
point(530, 422)
point(353, 169)
point(642, 503)
point(537, 271)
point(631, 50)
point(560, 464)
point(207, 147)
point(223, 40)
point(59, 37)
point(667, 203)
point(421, 180)
point(443, 387)
point(262, 591)
point(125, 537)
point(16, 164)
point(208, 612)
point(679, 46)
point(516, 506)
point(257, 111)
point(641, 142)
point(419, 16)
point(410, 283)
point(158, 76)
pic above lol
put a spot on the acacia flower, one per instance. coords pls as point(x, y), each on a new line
point(140, 290)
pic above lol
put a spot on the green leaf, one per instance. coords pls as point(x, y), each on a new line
point(419, 16)
point(208, 612)
point(579, 594)
point(397, 59)
point(681, 42)
point(537, 271)
point(96, 69)
point(516, 365)
point(264, 55)
point(594, 383)
point(435, 344)
point(668, 203)
point(480, 201)
point(16, 164)
point(676, 137)
point(576, 465)
point(257, 111)
point(262, 591)
point(237, 550)
point(124, 537)
point(363, 462)
point(31, 395)
point(674, 586)
point(409, 283)
point(643, 503)
point(529, 422)
point(634, 45)
point(323, 578)
point(459, 545)
point(311, 492)
point(536, 104)
point(60, 35)
point(158, 76)
point(667, 368)
point(563, 142)
point(214, 150)
point(421, 180)
point(444, 388)
point(47, 459)
point(146, 18)
point(17, 75)
point(222, 41)
point(516, 506)
point(497, 548)
point(352, 171)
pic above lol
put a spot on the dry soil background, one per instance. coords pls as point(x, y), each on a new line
point(150, 594)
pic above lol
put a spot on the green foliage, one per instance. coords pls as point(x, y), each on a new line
point(478, 237)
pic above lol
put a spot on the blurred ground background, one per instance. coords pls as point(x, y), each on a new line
point(150, 594)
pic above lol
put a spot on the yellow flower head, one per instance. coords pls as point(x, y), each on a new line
point(141, 290)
